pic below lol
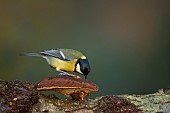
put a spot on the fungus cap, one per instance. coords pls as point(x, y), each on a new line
point(72, 86)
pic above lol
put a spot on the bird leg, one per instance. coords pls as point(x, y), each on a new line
point(65, 73)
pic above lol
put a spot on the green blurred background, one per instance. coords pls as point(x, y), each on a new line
point(127, 43)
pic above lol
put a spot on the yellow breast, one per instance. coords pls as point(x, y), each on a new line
point(63, 65)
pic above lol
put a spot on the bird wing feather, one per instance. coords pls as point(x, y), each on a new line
point(54, 53)
point(72, 54)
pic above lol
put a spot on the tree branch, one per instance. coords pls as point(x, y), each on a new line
point(17, 97)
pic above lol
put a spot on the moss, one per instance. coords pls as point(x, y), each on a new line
point(17, 96)
point(115, 104)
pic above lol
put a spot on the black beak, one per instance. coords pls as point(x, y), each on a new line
point(85, 76)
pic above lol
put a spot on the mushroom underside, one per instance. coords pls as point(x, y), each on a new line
point(75, 93)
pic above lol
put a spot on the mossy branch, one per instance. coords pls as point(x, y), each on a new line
point(17, 97)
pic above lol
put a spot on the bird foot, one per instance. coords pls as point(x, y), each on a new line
point(65, 73)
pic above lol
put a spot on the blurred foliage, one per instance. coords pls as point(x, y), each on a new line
point(127, 43)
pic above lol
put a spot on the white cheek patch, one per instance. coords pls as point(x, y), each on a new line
point(78, 68)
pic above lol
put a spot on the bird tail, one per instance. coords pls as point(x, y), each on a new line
point(30, 54)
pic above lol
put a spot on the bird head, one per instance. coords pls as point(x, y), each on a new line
point(83, 67)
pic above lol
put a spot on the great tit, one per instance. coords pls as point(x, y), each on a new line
point(64, 60)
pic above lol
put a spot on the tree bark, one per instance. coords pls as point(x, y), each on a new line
point(18, 97)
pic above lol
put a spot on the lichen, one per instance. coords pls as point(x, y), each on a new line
point(151, 102)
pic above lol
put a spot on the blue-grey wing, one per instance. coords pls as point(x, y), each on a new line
point(54, 53)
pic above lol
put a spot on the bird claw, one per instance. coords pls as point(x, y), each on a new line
point(65, 73)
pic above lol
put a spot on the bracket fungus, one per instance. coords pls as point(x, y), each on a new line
point(72, 86)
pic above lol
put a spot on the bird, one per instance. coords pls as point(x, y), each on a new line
point(64, 60)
